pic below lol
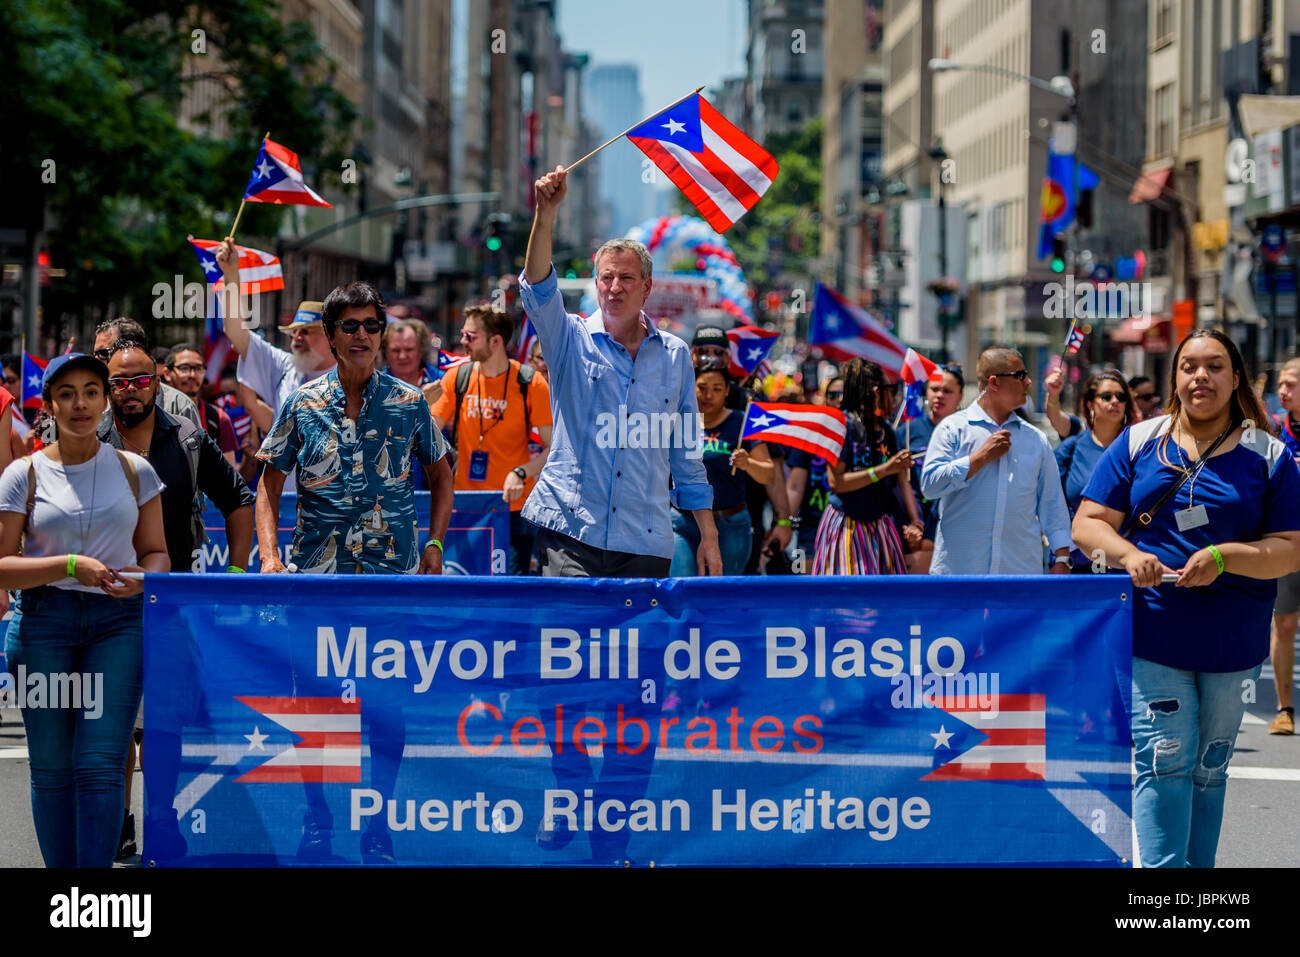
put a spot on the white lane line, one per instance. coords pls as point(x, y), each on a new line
point(20, 753)
point(1249, 718)
point(1263, 774)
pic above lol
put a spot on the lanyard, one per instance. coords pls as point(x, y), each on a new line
point(505, 386)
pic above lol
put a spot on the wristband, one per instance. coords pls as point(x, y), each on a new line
point(784, 521)
point(433, 541)
point(871, 474)
point(72, 566)
point(1218, 558)
point(236, 570)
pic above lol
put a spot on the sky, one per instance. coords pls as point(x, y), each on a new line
point(677, 44)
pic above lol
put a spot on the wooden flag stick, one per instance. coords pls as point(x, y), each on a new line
point(615, 139)
point(743, 423)
point(235, 224)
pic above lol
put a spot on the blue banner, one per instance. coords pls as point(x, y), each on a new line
point(882, 721)
point(477, 543)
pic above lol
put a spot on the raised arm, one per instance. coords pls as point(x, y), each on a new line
point(233, 321)
point(549, 192)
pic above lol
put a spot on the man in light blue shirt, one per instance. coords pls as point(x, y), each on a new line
point(626, 419)
point(996, 480)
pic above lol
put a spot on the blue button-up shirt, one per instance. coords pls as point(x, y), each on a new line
point(606, 480)
point(993, 523)
point(356, 501)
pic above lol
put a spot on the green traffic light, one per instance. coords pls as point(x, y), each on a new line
point(1058, 264)
point(570, 274)
point(494, 243)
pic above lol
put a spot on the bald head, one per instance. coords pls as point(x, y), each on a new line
point(995, 360)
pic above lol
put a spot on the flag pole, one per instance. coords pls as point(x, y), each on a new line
point(573, 166)
point(235, 224)
point(748, 403)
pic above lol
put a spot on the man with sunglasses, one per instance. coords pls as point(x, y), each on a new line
point(355, 434)
point(172, 401)
point(996, 480)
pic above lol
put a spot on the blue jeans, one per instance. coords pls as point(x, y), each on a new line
point(734, 537)
point(78, 758)
point(1184, 728)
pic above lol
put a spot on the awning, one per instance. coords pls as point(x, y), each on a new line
point(1151, 184)
point(1262, 113)
point(1135, 331)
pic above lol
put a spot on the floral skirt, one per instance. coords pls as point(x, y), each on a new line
point(846, 546)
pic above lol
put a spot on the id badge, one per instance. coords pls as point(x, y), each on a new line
point(1190, 518)
point(478, 462)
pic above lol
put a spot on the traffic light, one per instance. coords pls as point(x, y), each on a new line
point(493, 240)
point(1057, 262)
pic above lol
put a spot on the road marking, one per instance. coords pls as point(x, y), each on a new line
point(1249, 718)
point(13, 753)
point(1263, 774)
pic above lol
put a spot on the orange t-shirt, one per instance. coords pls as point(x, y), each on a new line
point(499, 430)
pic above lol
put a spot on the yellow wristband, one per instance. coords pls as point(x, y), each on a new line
point(1218, 558)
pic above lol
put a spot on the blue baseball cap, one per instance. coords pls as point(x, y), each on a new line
point(67, 363)
point(309, 312)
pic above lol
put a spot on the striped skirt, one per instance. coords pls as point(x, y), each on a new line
point(846, 546)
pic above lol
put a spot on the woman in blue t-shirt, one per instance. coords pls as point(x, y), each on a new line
point(858, 534)
point(727, 460)
point(1204, 567)
point(1108, 409)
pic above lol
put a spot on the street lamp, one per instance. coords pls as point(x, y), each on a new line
point(1058, 85)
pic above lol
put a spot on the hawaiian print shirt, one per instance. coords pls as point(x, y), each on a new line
point(356, 500)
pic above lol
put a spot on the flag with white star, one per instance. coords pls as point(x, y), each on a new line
point(720, 169)
point(329, 745)
point(749, 346)
point(277, 178)
point(817, 429)
point(258, 271)
point(32, 372)
point(844, 331)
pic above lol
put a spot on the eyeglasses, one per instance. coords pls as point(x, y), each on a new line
point(140, 382)
point(372, 326)
point(1110, 396)
point(190, 368)
point(1021, 374)
point(1148, 397)
point(103, 355)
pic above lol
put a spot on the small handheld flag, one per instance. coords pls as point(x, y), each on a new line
point(749, 346)
point(718, 168)
point(1073, 338)
point(448, 361)
point(817, 429)
point(258, 271)
point(277, 178)
point(917, 368)
point(32, 372)
point(527, 336)
point(914, 402)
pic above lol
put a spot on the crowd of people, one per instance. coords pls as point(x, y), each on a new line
point(1197, 503)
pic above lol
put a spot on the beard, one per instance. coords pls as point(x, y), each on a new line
point(132, 419)
point(306, 362)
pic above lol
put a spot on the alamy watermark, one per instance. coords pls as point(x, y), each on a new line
point(651, 430)
point(1084, 299)
point(79, 691)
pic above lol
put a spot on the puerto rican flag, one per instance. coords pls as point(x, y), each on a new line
point(447, 360)
point(330, 749)
point(1073, 338)
point(33, 371)
point(817, 429)
point(749, 346)
point(527, 336)
point(1012, 745)
point(917, 368)
point(258, 271)
point(277, 178)
point(844, 331)
point(719, 169)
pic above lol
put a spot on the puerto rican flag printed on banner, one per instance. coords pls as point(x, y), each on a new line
point(277, 178)
point(749, 346)
point(1009, 738)
point(917, 368)
point(844, 331)
point(330, 749)
point(817, 429)
point(258, 271)
point(1073, 338)
point(719, 169)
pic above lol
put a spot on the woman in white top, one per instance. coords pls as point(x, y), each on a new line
point(93, 518)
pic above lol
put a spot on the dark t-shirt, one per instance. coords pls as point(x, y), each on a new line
point(719, 443)
point(817, 493)
point(877, 499)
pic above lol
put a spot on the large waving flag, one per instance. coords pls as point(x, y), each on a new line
point(817, 429)
point(32, 372)
point(844, 331)
point(258, 271)
point(720, 169)
point(1058, 198)
point(277, 178)
point(749, 346)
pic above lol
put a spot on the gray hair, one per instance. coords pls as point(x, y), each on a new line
point(626, 246)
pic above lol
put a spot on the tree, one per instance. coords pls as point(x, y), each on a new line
point(96, 86)
point(780, 234)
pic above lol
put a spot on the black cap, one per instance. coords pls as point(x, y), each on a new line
point(710, 336)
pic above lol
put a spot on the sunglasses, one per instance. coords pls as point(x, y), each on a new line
point(837, 394)
point(103, 355)
point(140, 382)
point(372, 325)
point(1021, 374)
point(1111, 396)
point(1148, 397)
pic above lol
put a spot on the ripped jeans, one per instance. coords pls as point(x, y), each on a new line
point(1184, 729)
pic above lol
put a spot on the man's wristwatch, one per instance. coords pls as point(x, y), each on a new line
point(519, 471)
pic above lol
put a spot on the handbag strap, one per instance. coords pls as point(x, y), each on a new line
point(1145, 518)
